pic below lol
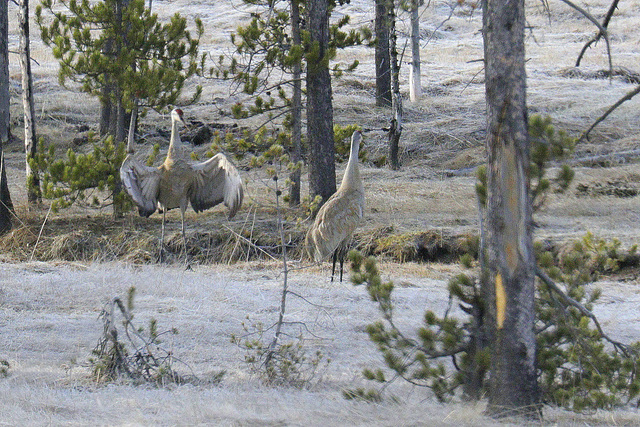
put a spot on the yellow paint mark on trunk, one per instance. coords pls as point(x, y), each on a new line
point(501, 301)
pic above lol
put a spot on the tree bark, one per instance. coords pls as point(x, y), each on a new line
point(296, 109)
point(4, 73)
point(395, 130)
point(6, 205)
point(322, 173)
point(114, 119)
point(509, 291)
point(415, 87)
point(30, 139)
point(382, 59)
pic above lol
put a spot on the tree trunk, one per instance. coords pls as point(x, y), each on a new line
point(105, 112)
point(5, 124)
point(395, 130)
point(322, 173)
point(296, 109)
point(509, 291)
point(30, 140)
point(6, 206)
point(382, 59)
point(415, 87)
point(114, 119)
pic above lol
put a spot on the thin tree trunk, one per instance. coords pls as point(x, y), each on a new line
point(296, 109)
point(106, 104)
point(133, 122)
point(415, 87)
point(30, 140)
point(395, 130)
point(5, 120)
point(121, 122)
point(6, 205)
point(322, 173)
point(509, 291)
point(382, 59)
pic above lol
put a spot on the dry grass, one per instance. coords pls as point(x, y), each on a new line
point(49, 308)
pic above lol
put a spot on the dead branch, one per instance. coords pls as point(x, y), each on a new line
point(138, 357)
point(605, 24)
point(625, 98)
point(595, 22)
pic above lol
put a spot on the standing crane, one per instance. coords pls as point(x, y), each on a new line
point(340, 215)
point(180, 181)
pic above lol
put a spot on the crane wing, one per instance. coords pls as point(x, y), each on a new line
point(216, 180)
point(335, 222)
point(142, 183)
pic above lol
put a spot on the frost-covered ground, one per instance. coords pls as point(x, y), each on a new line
point(49, 325)
point(49, 312)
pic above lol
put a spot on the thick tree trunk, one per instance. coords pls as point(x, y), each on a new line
point(395, 130)
point(509, 290)
point(415, 87)
point(6, 206)
point(382, 59)
point(322, 173)
point(30, 140)
point(296, 109)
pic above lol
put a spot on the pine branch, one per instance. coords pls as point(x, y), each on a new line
point(625, 349)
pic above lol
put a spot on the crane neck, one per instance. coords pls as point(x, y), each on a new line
point(175, 143)
point(351, 178)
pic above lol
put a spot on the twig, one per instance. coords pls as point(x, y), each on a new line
point(250, 243)
point(40, 233)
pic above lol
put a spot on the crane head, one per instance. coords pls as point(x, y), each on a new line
point(177, 116)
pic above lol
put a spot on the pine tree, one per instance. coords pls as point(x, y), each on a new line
point(274, 44)
point(120, 52)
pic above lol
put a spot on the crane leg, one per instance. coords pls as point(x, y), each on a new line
point(164, 212)
point(184, 235)
point(333, 268)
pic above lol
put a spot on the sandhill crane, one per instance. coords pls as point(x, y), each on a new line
point(340, 215)
point(179, 181)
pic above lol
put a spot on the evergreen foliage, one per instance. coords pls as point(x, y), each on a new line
point(89, 179)
point(120, 44)
point(580, 368)
point(546, 145)
point(265, 61)
point(266, 55)
point(290, 365)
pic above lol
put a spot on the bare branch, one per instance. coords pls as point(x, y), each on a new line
point(595, 22)
point(605, 24)
point(625, 98)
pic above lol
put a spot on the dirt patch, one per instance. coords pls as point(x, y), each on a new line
point(614, 188)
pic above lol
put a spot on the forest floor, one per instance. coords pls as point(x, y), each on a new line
point(59, 270)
